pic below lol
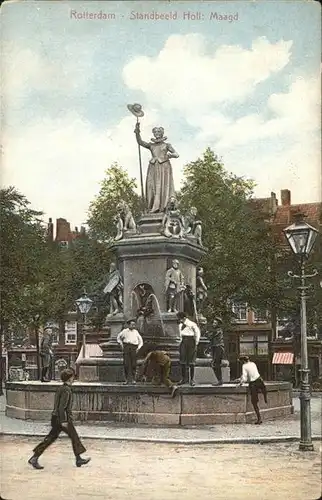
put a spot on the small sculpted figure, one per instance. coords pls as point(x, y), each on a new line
point(172, 223)
point(114, 288)
point(193, 226)
point(174, 286)
point(123, 220)
point(201, 290)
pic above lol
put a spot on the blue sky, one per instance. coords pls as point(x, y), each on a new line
point(249, 89)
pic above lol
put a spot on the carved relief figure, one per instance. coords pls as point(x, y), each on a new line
point(159, 179)
point(201, 290)
point(144, 292)
point(172, 223)
point(114, 288)
point(124, 220)
point(193, 226)
point(174, 286)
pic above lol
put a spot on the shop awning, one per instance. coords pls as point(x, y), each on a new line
point(283, 358)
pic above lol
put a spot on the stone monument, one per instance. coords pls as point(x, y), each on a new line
point(153, 276)
point(156, 259)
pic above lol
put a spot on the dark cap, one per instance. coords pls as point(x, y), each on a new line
point(243, 359)
point(67, 374)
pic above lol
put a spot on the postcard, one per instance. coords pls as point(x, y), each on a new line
point(157, 159)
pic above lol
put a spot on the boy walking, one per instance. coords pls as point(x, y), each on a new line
point(256, 384)
point(131, 342)
point(62, 421)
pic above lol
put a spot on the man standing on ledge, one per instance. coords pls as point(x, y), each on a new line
point(62, 421)
point(217, 346)
point(256, 384)
point(46, 353)
point(131, 342)
point(190, 336)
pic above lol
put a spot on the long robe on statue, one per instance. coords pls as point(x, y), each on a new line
point(159, 180)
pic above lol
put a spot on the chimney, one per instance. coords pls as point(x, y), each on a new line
point(62, 230)
point(50, 230)
point(286, 197)
point(273, 204)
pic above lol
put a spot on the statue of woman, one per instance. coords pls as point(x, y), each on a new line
point(159, 180)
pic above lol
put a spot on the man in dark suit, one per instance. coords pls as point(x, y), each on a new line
point(62, 421)
point(159, 363)
point(46, 353)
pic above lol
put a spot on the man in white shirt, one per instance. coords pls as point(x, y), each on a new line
point(255, 382)
point(190, 336)
point(131, 342)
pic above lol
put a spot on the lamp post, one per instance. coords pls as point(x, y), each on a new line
point(84, 304)
point(301, 238)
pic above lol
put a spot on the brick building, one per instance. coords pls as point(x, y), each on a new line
point(64, 235)
point(259, 334)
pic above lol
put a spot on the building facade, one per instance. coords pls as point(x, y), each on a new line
point(259, 334)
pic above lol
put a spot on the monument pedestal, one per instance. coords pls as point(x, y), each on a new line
point(143, 260)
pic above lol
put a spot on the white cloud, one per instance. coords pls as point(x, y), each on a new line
point(58, 164)
point(25, 70)
point(188, 72)
point(296, 114)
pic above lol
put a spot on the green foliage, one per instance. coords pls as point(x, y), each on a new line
point(237, 264)
point(116, 187)
point(22, 249)
point(39, 280)
point(68, 271)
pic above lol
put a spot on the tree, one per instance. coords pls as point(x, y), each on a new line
point(237, 263)
point(115, 187)
point(22, 246)
point(67, 271)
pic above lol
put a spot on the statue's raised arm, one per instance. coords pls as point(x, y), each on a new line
point(139, 138)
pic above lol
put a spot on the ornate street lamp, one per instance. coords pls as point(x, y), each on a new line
point(84, 304)
point(301, 238)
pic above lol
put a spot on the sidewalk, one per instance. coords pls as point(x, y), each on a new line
point(287, 429)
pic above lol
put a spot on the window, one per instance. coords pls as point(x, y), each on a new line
point(253, 345)
point(247, 345)
point(55, 336)
point(240, 311)
point(71, 332)
point(31, 360)
point(262, 345)
point(260, 316)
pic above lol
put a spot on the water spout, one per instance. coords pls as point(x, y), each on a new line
point(136, 303)
point(153, 296)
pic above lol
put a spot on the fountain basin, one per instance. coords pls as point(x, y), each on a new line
point(148, 404)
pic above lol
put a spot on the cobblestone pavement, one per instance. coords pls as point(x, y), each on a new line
point(278, 429)
point(149, 471)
